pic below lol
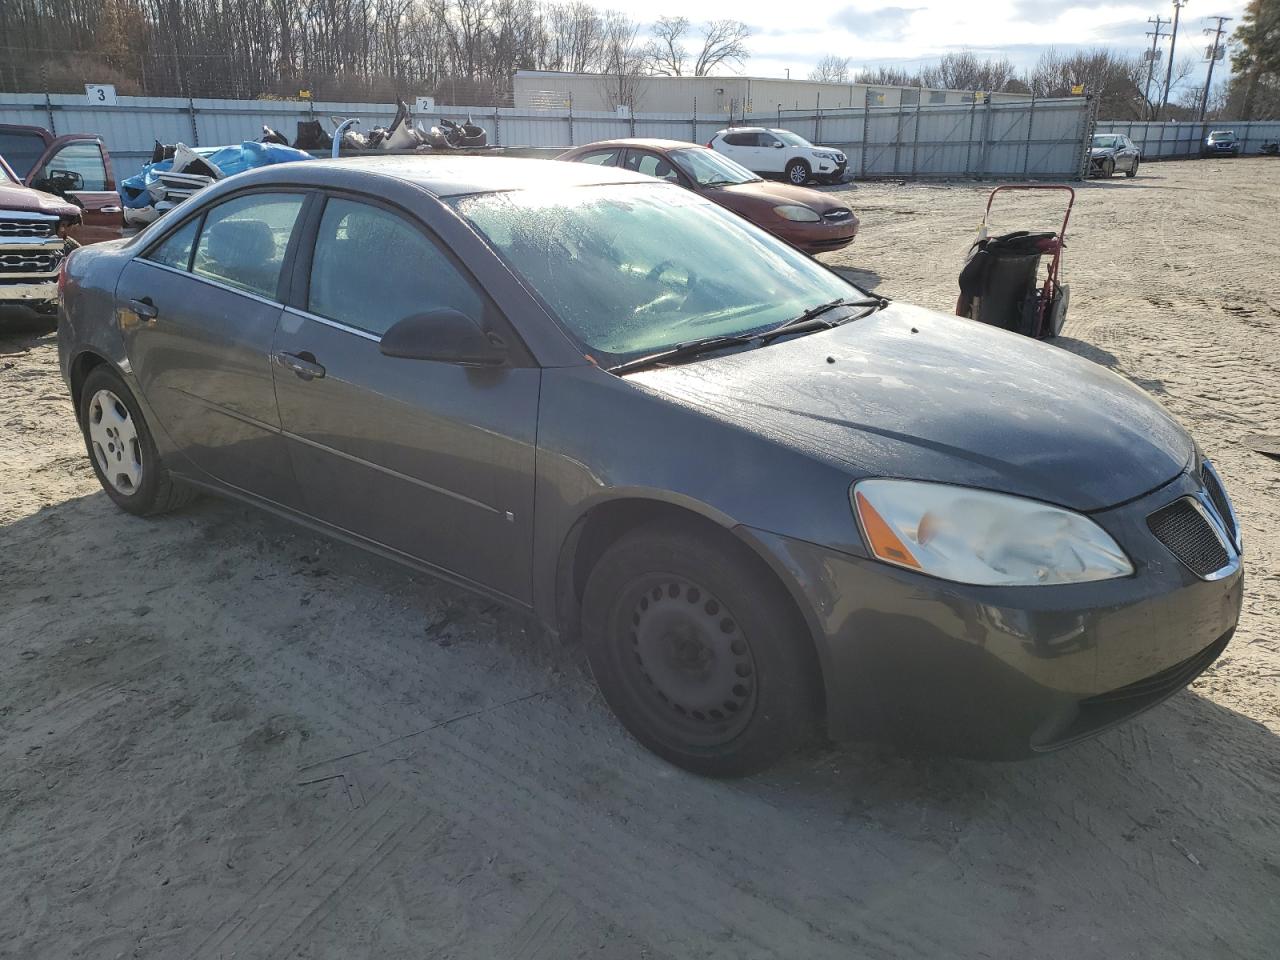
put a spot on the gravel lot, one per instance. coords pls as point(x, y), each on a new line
point(223, 737)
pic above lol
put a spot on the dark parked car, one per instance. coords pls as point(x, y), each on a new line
point(763, 497)
point(1111, 152)
point(1221, 143)
point(805, 218)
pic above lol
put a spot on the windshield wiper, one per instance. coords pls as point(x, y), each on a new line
point(809, 320)
point(690, 348)
point(806, 321)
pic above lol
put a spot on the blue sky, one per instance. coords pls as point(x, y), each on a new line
point(912, 33)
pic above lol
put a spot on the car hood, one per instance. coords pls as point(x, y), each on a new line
point(25, 200)
point(772, 194)
point(911, 393)
point(1101, 151)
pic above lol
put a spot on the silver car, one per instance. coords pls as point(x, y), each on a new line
point(1111, 152)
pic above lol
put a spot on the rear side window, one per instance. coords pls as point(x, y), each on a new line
point(175, 250)
point(79, 163)
point(601, 158)
point(651, 165)
point(244, 240)
point(372, 268)
point(740, 139)
point(21, 150)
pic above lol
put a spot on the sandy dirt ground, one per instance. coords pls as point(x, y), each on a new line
point(223, 737)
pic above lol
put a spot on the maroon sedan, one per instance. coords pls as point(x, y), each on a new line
point(805, 218)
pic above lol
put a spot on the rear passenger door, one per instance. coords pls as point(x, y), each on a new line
point(198, 309)
point(432, 460)
point(743, 147)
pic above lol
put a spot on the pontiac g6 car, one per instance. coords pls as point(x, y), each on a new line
point(766, 500)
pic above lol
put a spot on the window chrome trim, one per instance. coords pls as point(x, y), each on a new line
point(211, 282)
point(336, 324)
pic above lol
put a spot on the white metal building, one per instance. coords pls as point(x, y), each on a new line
point(549, 89)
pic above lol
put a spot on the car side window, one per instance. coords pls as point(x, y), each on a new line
point(22, 150)
point(80, 165)
point(652, 165)
point(372, 268)
point(766, 140)
point(244, 240)
point(601, 158)
point(740, 139)
point(175, 250)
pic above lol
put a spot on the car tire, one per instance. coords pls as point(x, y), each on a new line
point(797, 172)
point(698, 651)
point(1132, 171)
point(121, 448)
point(1108, 168)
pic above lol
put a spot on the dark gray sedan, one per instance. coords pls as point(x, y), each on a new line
point(767, 501)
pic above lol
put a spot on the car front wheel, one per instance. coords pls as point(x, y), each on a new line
point(797, 172)
point(121, 448)
point(1108, 168)
point(698, 652)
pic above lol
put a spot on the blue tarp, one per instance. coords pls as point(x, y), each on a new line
point(230, 160)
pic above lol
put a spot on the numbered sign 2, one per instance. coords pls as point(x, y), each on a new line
point(100, 94)
point(424, 105)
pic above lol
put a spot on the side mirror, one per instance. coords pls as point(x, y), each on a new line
point(446, 336)
point(777, 144)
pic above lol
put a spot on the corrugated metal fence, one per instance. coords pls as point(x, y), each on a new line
point(1036, 139)
point(1180, 141)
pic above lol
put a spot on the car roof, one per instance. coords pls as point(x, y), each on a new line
point(447, 175)
point(656, 143)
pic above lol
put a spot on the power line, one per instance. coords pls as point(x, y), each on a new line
point(1155, 36)
point(1173, 44)
point(1214, 53)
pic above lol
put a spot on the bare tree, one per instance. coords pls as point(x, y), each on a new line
point(831, 69)
point(1115, 81)
point(723, 42)
point(965, 71)
point(576, 36)
point(665, 55)
point(887, 77)
point(621, 59)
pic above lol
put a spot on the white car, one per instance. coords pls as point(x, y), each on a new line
point(765, 151)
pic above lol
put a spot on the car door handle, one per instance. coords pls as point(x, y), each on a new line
point(144, 308)
point(111, 209)
point(302, 364)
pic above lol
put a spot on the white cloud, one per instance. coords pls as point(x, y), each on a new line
point(916, 32)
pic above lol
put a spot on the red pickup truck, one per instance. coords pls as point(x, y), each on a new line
point(52, 190)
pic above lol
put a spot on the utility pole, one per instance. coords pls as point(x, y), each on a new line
point(1155, 36)
point(1173, 43)
point(1214, 52)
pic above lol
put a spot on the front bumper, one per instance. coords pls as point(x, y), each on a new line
point(32, 294)
point(1007, 672)
point(820, 237)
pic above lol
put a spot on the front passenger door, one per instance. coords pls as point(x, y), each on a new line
point(432, 460)
point(78, 170)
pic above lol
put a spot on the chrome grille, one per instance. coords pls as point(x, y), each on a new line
point(1218, 494)
point(1183, 527)
point(29, 261)
point(36, 229)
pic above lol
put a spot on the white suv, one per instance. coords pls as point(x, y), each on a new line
point(780, 151)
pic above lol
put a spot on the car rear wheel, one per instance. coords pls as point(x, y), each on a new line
point(121, 448)
point(1132, 171)
point(797, 172)
point(698, 653)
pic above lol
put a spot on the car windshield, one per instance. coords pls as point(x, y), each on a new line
point(632, 270)
point(1222, 135)
point(1106, 141)
point(792, 139)
point(708, 168)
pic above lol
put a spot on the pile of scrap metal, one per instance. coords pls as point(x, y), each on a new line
point(402, 135)
point(176, 171)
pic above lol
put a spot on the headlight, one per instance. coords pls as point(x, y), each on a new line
point(978, 537)
point(797, 213)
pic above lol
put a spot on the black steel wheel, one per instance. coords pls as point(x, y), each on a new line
point(698, 652)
